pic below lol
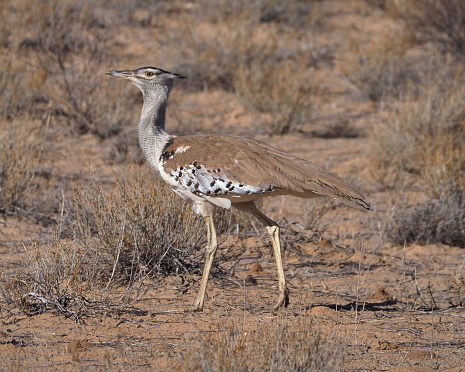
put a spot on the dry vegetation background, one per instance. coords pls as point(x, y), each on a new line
point(99, 260)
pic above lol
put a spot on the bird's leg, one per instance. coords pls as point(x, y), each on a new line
point(283, 300)
point(272, 228)
point(210, 256)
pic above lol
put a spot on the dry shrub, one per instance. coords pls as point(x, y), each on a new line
point(20, 80)
point(434, 221)
point(139, 230)
point(315, 209)
point(445, 172)
point(421, 131)
point(66, 48)
point(73, 53)
point(89, 102)
point(278, 346)
point(270, 73)
point(209, 61)
point(426, 138)
point(258, 50)
point(382, 69)
point(271, 87)
point(19, 87)
point(294, 12)
point(457, 289)
point(63, 277)
point(377, 3)
point(440, 219)
point(439, 21)
point(21, 144)
point(53, 278)
point(142, 228)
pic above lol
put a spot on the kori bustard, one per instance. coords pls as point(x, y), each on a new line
point(226, 171)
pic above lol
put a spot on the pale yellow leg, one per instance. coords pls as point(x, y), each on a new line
point(283, 299)
point(272, 229)
point(210, 253)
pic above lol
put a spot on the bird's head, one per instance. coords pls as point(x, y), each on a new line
point(147, 77)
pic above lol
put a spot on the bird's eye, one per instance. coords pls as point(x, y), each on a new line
point(149, 73)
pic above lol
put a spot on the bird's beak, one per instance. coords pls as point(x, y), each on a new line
point(124, 74)
point(176, 76)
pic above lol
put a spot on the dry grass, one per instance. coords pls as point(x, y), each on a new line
point(296, 12)
point(278, 346)
point(74, 59)
point(54, 278)
point(61, 61)
point(315, 209)
point(21, 145)
point(384, 70)
point(138, 230)
point(436, 221)
point(109, 245)
point(259, 61)
point(441, 218)
point(18, 87)
point(421, 132)
point(282, 90)
point(425, 138)
point(439, 21)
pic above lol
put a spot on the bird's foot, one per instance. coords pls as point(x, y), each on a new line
point(283, 300)
point(197, 306)
point(196, 309)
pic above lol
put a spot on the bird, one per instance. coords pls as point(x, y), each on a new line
point(226, 171)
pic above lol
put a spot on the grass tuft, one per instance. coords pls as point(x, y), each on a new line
point(383, 69)
point(140, 229)
point(418, 135)
point(21, 145)
point(278, 346)
point(436, 221)
point(438, 21)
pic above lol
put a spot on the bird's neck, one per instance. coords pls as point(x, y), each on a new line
point(152, 134)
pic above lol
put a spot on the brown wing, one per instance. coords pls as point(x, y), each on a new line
point(255, 164)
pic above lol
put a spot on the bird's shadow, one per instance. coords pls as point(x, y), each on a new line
point(385, 305)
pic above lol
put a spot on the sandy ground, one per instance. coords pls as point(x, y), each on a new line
point(390, 307)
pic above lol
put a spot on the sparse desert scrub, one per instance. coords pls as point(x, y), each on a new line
point(88, 102)
point(262, 64)
point(441, 218)
point(140, 229)
point(19, 87)
point(295, 12)
point(115, 239)
point(377, 3)
point(421, 132)
point(315, 209)
point(21, 145)
point(425, 138)
point(273, 87)
point(61, 60)
point(106, 241)
point(54, 277)
point(435, 221)
point(279, 346)
point(439, 21)
point(73, 51)
point(384, 69)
